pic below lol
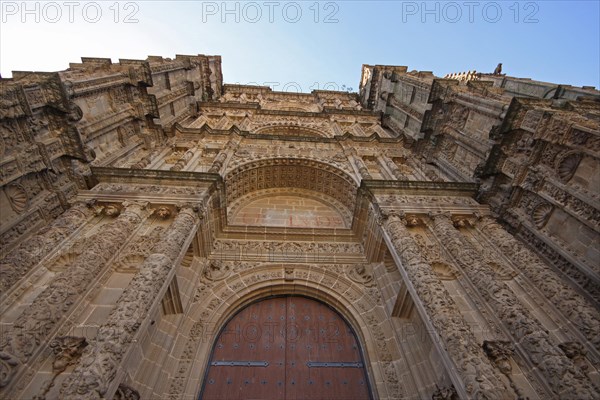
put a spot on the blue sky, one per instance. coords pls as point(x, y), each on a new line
point(307, 44)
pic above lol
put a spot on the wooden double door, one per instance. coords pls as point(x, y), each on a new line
point(286, 348)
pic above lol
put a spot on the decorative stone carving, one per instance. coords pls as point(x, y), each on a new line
point(567, 164)
point(8, 367)
point(163, 212)
point(20, 261)
point(461, 222)
point(67, 350)
point(185, 158)
point(575, 307)
point(576, 352)
point(473, 367)
point(443, 271)
point(361, 274)
point(445, 393)
point(541, 214)
point(99, 363)
point(412, 221)
point(394, 168)
point(501, 271)
point(216, 270)
point(362, 168)
point(17, 197)
point(126, 392)
point(111, 211)
point(499, 352)
point(556, 368)
point(38, 320)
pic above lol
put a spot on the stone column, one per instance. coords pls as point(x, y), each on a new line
point(557, 369)
point(182, 162)
point(147, 159)
point(480, 379)
point(22, 259)
point(362, 168)
point(573, 305)
point(98, 366)
point(224, 155)
point(38, 320)
point(394, 168)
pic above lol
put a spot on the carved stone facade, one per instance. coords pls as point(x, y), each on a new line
point(453, 223)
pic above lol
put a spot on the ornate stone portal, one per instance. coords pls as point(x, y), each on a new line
point(452, 223)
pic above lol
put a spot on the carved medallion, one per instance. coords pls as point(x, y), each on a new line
point(216, 270)
point(361, 274)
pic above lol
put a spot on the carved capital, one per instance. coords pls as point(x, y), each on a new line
point(387, 215)
point(440, 216)
point(192, 208)
point(133, 205)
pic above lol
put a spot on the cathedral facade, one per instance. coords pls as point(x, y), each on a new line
point(168, 236)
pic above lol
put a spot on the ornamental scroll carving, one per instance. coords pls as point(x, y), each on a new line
point(8, 367)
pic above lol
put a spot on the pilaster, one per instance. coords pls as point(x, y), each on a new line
point(29, 253)
point(38, 321)
point(478, 377)
point(96, 372)
point(557, 369)
point(574, 306)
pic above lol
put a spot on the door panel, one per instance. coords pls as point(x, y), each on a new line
point(290, 348)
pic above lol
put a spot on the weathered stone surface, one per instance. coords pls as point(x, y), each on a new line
point(22, 259)
point(288, 187)
point(478, 376)
point(32, 327)
point(525, 328)
point(101, 359)
point(574, 306)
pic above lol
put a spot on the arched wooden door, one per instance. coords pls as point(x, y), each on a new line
point(286, 348)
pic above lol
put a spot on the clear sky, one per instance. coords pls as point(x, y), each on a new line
point(306, 45)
